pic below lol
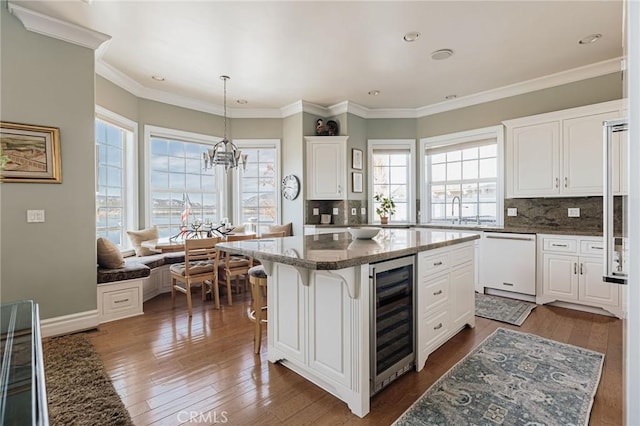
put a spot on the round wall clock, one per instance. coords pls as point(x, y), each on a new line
point(290, 187)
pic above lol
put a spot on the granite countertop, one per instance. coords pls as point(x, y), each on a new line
point(337, 251)
point(512, 230)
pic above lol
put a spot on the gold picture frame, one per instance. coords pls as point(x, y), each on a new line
point(32, 152)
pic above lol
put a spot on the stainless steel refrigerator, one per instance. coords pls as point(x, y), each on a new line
point(615, 199)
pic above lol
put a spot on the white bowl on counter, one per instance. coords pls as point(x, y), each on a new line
point(364, 233)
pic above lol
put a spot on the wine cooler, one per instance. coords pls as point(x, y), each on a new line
point(392, 320)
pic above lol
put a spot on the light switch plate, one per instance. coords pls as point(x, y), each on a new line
point(573, 212)
point(363, 211)
point(512, 211)
point(353, 211)
point(34, 216)
point(316, 211)
point(336, 210)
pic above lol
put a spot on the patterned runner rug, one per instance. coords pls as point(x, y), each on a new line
point(79, 391)
point(503, 309)
point(513, 378)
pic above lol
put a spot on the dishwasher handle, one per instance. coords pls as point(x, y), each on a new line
point(500, 237)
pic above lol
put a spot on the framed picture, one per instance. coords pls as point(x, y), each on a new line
point(357, 159)
point(357, 182)
point(32, 153)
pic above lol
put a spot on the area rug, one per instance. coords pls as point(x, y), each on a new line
point(503, 309)
point(513, 378)
point(79, 391)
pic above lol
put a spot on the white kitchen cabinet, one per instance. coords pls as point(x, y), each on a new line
point(326, 167)
point(571, 271)
point(557, 153)
point(445, 281)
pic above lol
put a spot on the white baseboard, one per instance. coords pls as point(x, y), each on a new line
point(69, 323)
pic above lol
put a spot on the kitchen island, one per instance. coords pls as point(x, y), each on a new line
point(320, 300)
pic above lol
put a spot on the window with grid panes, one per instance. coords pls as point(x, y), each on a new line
point(181, 191)
point(462, 183)
point(258, 195)
point(113, 202)
point(391, 174)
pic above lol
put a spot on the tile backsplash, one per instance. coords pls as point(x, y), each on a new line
point(552, 213)
point(344, 216)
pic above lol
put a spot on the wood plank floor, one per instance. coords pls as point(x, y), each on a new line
point(165, 366)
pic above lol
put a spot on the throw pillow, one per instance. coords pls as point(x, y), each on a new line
point(287, 228)
point(109, 255)
point(137, 237)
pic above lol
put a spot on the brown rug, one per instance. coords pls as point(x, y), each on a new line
point(79, 391)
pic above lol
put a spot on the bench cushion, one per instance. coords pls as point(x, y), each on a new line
point(130, 271)
point(152, 261)
point(173, 257)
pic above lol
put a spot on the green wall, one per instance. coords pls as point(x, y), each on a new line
point(50, 82)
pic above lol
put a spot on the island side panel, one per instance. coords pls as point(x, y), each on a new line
point(319, 328)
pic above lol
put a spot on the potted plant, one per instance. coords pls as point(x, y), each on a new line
point(386, 208)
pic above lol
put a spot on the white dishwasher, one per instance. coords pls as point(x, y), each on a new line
point(508, 262)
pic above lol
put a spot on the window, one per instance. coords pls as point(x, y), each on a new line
point(463, 177)
point(257, 198)
point(391, 165)
point(180, 191)
point(116, 172)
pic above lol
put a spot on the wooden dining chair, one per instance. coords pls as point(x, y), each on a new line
point(234, 266)
point(200, 265)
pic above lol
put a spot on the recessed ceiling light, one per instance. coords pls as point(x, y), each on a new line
point(591, 38)
point(448, 97)
point(242, 101)
point(374, 92)
point(411, 36)
point(157, 77)
point(441, 54)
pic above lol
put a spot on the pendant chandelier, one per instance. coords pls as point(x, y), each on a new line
point(224, 153)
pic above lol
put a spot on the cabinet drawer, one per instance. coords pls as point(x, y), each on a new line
point(592, 247)
point(435, 263)
point(461, 255)
point(436, 329)
point(119, 300)
point(564, 245)
point(436, 293)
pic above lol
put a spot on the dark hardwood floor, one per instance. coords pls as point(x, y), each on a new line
point(165, 367)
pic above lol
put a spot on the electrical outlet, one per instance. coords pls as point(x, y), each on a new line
point(35, 216)
point(336, 211)
point(353, 211)
point(316, 211)
point(363, 211)
point(573, 212)
point(512, 211)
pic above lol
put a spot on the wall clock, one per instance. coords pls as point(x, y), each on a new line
point(290, 187)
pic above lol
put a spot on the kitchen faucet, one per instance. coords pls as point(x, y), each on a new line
point(453, 200)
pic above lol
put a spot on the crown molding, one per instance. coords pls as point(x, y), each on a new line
point(56, 28)
point(564, 77)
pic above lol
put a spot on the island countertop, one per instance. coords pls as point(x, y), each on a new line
point(339, 250)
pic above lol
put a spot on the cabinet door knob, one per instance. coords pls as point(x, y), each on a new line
point(437, 293)
point(582, 269)
point(575, 268)
point(566, 182)
point(557, 182)
point(437, 263)
point(438, 327)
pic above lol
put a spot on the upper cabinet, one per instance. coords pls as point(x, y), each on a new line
point(558, 154)
point(326, 167)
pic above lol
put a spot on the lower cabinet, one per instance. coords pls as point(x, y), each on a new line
point(445, 282)
point(571, 269)
point(119, 300)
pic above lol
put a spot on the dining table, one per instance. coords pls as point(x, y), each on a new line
point(171, 244)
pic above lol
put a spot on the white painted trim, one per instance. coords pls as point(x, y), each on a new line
point(399, 144)
point(569, 76)
point(496, 132)
point(67, 324)
point(258, 143)
point(58, 29)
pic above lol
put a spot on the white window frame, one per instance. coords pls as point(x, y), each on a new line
point(258, 143)
point(163, 132)
point(393, 144)
point(492, 132)
point(130, 169)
